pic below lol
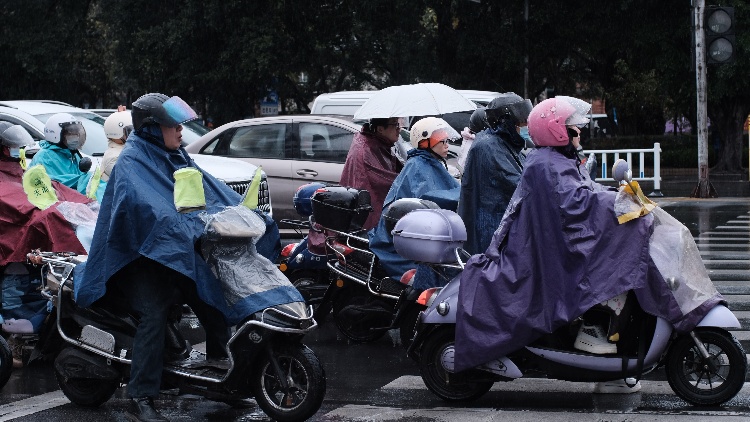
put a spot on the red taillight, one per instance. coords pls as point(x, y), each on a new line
point(408, 277)
point(288, 249)
point(342, 249)
point(428, 296)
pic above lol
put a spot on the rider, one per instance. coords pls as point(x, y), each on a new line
point(425, 171)
point(145, 251)
point(117, 127)
point(558, 252)
point(59, 153)
point(493, 168)
point(371, 164)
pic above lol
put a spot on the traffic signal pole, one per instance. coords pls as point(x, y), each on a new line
point(704, 188)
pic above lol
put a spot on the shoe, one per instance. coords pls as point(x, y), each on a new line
point(617, 386)
point(592, 339)
point(141, 409)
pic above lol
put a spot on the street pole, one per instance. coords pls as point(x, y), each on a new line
point(704, 188)
point(526, 49)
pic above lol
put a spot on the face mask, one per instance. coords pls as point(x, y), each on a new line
point(525, 133)
point(74, 142)
point(15, 152)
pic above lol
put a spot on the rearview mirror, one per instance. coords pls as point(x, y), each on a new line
point(621, 171)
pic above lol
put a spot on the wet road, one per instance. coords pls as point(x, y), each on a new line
point(377, 382)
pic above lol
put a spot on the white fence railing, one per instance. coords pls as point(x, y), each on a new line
point(638, 167)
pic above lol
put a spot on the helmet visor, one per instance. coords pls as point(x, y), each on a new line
point(582, 109)
point(71, 131)
point(177, 112)
point(443, 134)
point(16, 137)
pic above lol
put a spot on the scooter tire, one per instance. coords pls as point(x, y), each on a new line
point(690, 380)
point(86, 392)
point(359, 330)
point(302, 367)
point(443, 383)
point(6, 362)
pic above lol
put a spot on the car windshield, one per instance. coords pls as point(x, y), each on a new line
point(96, 140)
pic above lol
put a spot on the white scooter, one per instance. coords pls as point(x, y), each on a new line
point(705, 367)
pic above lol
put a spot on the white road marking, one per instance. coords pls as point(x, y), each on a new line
point(32, 405)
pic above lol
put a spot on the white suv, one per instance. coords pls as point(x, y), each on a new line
point(32, 115)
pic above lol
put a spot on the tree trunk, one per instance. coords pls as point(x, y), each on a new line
point(729, 118)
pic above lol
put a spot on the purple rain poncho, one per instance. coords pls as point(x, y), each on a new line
point(559, 251)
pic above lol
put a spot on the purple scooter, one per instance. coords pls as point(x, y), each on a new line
point(706, 366)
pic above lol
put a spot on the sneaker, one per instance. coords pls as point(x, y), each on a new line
point(617, 386)
point(592, 339)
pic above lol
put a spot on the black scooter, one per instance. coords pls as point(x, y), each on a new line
point(267, 359)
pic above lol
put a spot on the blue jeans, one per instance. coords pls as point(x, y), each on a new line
point(150, 290)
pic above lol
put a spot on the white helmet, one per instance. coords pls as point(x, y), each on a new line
point(432, 130)
point(118, 125)
point(63, 123)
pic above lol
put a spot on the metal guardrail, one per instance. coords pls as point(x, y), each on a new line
point(629, 155)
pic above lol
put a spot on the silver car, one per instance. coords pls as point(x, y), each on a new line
point(293, 150)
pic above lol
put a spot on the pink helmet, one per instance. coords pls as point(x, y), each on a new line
point(548, 120)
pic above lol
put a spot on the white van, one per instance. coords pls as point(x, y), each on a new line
point(348, 102)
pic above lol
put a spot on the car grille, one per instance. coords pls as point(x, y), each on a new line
point(264, 195)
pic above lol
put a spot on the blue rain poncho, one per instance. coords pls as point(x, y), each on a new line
point(422, 175)
point(493, 169)
point(61, 165)
point(138, 218)
point(559, 251)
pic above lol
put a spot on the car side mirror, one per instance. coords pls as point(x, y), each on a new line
point(621, 171)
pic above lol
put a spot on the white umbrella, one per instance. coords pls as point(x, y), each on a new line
point(428, 99)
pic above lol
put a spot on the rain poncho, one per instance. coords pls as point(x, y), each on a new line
point(558, 252)
point(24, 227)
point(493, 168)
point(138, 218)
point(371, 165)
point(110, 158)
point(62, 165)
point(423, 173)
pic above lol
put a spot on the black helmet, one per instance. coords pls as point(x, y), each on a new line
point(403, 206)
point(508, 105)
point(478, 120)
point(155, 108)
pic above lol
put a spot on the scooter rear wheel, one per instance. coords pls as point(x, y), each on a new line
point(86, 391)
point(304, 374)
point(356, 314)
point(439, 379)
point(705, 382)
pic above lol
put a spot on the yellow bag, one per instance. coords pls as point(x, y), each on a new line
point(188, 190)
point(38, 187)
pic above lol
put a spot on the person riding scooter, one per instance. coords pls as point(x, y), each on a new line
point(558, 252)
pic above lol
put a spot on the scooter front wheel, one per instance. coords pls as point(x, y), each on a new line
point(438, 350)
point(306, 384)
point(707, 382)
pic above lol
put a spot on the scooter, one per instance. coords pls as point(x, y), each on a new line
point(705, 367)
point(364, 300)
point(267, 359)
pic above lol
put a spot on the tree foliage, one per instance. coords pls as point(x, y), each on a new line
point(223, 56)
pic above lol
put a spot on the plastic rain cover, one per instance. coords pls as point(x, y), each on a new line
point(228, 245)
point(676, 256)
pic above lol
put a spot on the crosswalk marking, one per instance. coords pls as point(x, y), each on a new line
point(32, 405)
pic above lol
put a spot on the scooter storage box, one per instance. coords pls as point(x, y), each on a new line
point(429, 235)
point(303, 197)
point(340, 208)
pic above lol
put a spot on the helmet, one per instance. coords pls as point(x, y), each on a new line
point(118, 125)
point(432, 130)
point(549, 119)
point(403, 206)
point(14, 136)
point(509, 105)
point(63, 124)
point(303, 196)
point(158, 109)
point(478, 120)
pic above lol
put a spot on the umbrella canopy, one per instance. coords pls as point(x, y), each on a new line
point(427, 99)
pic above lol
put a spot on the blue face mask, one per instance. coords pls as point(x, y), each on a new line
point(15, 152)
point(525, 134)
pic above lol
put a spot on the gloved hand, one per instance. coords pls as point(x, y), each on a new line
point(85, 164)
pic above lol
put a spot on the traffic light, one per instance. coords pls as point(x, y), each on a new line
point(719, 24)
